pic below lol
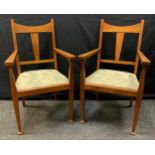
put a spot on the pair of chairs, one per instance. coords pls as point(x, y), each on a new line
point(51, 80)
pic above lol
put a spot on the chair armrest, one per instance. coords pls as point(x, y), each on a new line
point(144, 60)
point(88, 54)
point(65, 54)
point(9, 62)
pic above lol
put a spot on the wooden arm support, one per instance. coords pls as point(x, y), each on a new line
point(71, 72)
point(88, 54)
point(65, 54)
point(9, 62)
point(144, 60)
point(145, 63)
point(82, 72)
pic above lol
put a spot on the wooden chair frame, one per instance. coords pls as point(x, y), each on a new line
point(14, 58)
point(119, 30)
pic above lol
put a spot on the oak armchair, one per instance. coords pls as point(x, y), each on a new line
point(38, 81)
point(114, 81)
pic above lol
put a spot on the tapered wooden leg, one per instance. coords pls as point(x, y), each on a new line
point(56, 96)
point(97, 96)
point(17, 113)
point(23, 102)
point(138, 100)
point(15, 101)
point(82, 91)
point(82, 106)
point(71, 92)
point(131, 102)
point(71, 105)
point(136, 114)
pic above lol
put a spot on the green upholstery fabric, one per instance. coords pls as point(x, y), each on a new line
point(113, 78)
point(31, 80)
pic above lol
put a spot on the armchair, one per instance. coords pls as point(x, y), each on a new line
point(37, 82)
point(114, 81)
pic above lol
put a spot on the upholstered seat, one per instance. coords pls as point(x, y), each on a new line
point(31, 80)
point(113, 78)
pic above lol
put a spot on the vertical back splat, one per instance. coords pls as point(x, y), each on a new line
point(119, 42)
point(35, 45)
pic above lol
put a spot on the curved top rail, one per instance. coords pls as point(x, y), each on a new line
point(32, 29)
point(126, 29)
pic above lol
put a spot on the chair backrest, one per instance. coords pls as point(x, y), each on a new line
point(34, 32)
point(120, 31)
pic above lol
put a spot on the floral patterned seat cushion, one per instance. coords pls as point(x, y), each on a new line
point(31, 80)
point(113, 78)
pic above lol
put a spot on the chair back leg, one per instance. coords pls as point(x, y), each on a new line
point(131, 102)
point(23, 102)
point(97, 96)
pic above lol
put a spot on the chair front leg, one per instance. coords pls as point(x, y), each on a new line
point(17, 113)
point(136, 113)
point(71, 92)
point(138, 101)
point(15, 102)
point(82, 91)
point(82, 105)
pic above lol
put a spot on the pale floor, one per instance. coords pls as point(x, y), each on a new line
point(47, 119)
